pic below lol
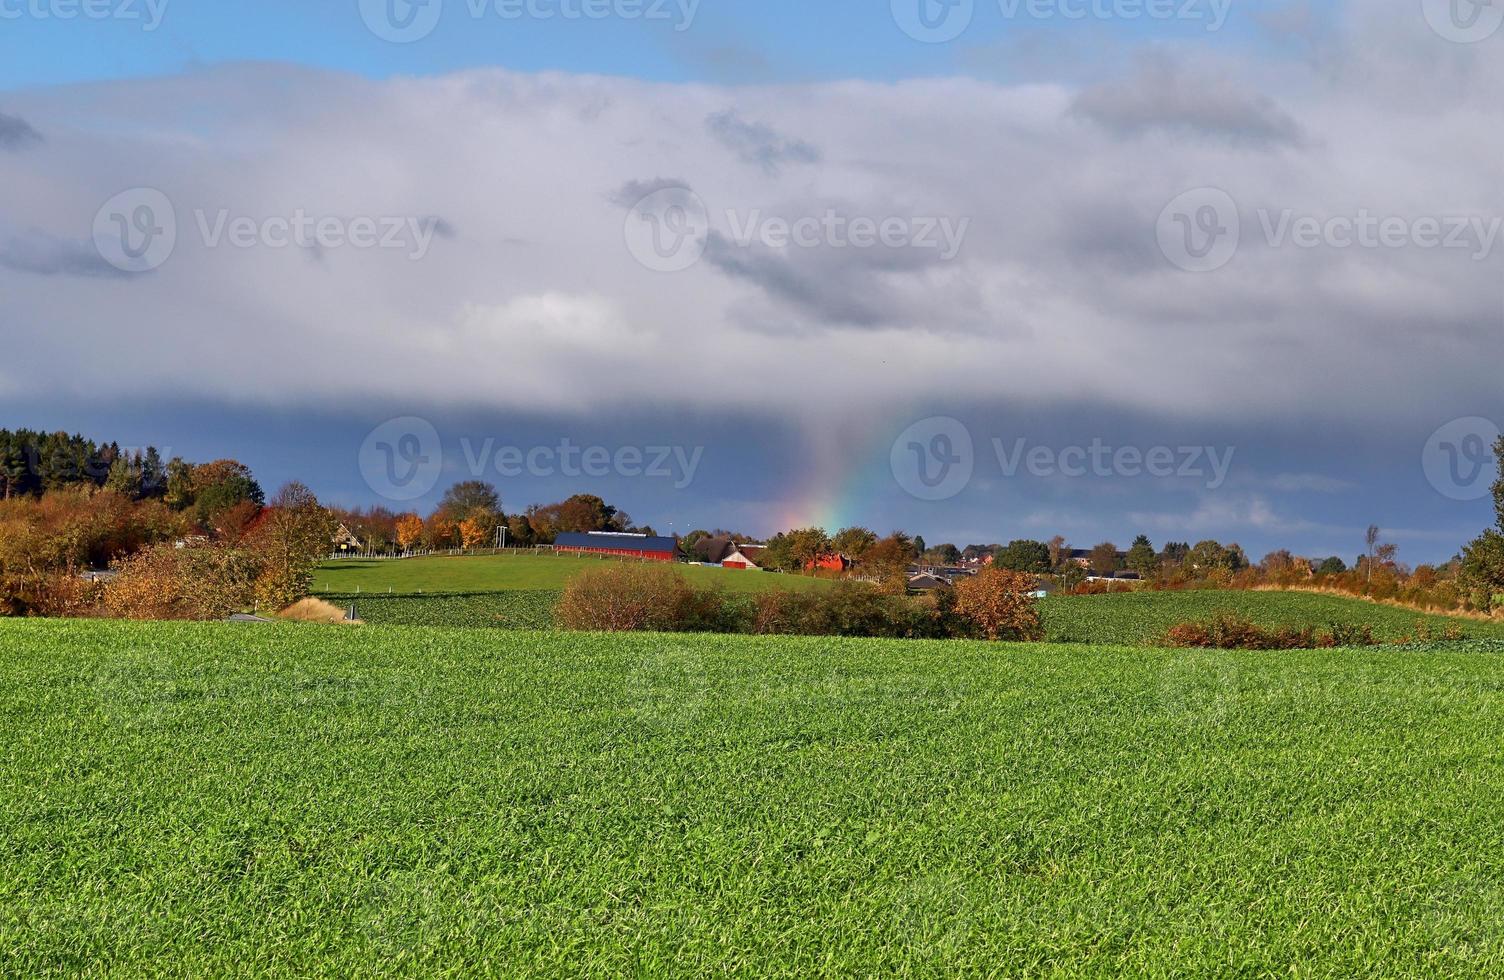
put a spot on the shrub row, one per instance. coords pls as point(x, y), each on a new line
point(993, 605)
point(1229, 631)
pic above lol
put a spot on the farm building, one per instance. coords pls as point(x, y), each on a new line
point(745, 557)
point(928, 582)
point(829, 563)
point(727, 553)
point(610, 545)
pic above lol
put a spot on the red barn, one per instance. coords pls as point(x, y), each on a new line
point(829, 563)
point(611, 545)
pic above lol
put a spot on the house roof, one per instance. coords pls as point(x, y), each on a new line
point(714, 550)
point(617, 542)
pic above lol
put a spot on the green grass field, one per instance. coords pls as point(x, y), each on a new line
point(191, 799)
point(1145, 617)
point(521, 572)
point(520, 592)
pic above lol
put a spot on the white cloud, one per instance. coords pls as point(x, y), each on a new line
point(1058, 294)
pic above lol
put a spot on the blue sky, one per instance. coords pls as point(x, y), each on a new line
point(529, 156)
point(774, 40)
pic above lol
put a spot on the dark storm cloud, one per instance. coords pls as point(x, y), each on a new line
point(759, 143)
point(16, 133)
point(832, 287)
point(45, 255)
point(632, 193)
point(1162, 97)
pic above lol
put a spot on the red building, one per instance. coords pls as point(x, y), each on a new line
point(610, 545)
point(828, 563)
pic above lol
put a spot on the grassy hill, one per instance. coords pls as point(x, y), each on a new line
point(274, 800)
point(520, 593)
point(1144, 617)
point(509, 573)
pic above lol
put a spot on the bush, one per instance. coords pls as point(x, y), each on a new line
point(1228, 631)
point(623, 598)
point(1000, 605)
point(165, 582)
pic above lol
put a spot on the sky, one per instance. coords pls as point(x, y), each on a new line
point(976, 269)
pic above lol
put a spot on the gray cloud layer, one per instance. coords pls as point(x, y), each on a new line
point(1060, 293)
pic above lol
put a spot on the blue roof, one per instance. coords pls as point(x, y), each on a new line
point(617, 542)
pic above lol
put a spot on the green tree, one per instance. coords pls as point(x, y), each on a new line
point(125, 477)
point(854, 542)
point(1331, 566)
point(1032, 557)
point(1483, 559)
point(1142, 557)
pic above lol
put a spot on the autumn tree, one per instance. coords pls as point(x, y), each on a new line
point(409, 530)
point(1000, 604)
point(1483, 559)
point(1106, 559)
point(1060, 551)
point(472, 499)
point(289, 542)
point(475, 531)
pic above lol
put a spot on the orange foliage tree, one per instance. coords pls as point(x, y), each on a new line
point(474, 532)
point(1000, 603)
point(409, 530)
